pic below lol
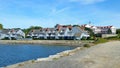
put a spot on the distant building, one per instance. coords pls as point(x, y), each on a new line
point(17, 33)
point(12, 33)
point(36, 33)
point(66, 32)
point(102, 29)
point(79, 32)
point(4, 33)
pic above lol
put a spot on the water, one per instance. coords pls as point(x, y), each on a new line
point(11, 54)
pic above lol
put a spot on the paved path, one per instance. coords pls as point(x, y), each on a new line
point(105, 55)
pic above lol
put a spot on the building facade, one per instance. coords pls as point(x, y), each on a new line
point(66, 32)
point(12, 34)
point(102, 29)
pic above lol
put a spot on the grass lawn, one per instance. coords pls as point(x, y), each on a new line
point(100, 40)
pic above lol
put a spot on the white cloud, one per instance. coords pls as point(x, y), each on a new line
point(86, 2)
point(57, 11)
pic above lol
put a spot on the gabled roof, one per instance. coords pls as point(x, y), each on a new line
point(51, 29)
point(14, 29)
point(58, 27)
point(35, 31)
point(63, 29)
point(80, 28)
point(5, 31)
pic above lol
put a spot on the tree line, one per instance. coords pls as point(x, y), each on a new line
point(27, 30)
point(1, 26)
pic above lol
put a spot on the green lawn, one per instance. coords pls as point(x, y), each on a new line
point(100, 40)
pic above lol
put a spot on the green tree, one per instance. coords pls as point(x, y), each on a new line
point(1, 26)
point(35, 27)
point(118, 32)
point(31, 28)
point(92, 35)
point(90, 31)
point(75, 25)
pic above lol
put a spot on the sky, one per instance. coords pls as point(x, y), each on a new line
point(48, 13)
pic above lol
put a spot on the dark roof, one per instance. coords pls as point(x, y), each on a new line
point(35, 31)
point(5, 31)
point(48, 29)
point(14, 30)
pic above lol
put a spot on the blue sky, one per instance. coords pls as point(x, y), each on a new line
point(47, 13)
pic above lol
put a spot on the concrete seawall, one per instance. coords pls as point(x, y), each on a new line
point(48, 42)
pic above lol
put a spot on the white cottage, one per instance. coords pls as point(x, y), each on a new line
point(4, 33)
point(79, 33)
point(12, 33)
point(16, 33)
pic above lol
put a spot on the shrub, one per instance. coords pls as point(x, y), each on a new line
point(98, 35)
point(86, 45)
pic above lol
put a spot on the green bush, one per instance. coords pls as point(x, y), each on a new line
point(84, 38)
point(118, 35)
point(98, 35)
point(86, 45)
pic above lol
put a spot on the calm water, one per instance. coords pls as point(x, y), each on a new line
point(11, 54)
